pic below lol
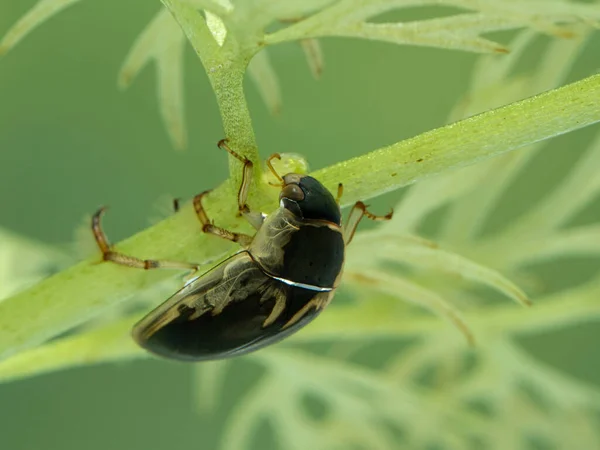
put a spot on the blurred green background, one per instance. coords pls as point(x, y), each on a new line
point(71, 141)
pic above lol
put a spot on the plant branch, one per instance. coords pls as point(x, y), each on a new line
point(84, 291)
point(492, 133)
point(106, 344)
point(225, 66)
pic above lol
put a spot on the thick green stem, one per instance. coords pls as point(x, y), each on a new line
point(225, 66)
point(228, 84)
point(476, 138)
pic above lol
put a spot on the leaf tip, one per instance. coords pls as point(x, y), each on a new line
point(502, 50)
point(471, 341)
point(124, 80)
point(463, 327)
point(314, 56)
point(177, 133)
point(520, 297)
point(179, 141)
point(565, 34)
point(317, 72)
point(276, 109)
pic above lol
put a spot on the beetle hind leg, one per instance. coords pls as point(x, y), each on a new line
point(108, 254)
point(358, 211)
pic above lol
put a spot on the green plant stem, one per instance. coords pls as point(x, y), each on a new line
point(226, 67)
point(492, 133)
point(87, 289)
point(107, 344)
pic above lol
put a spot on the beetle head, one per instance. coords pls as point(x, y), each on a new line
point(307, 198)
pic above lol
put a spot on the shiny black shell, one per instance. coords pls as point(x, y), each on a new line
point(235, 331)
point(260, 295)
point(313, 255)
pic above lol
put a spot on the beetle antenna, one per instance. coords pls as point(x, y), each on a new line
point(272, 169)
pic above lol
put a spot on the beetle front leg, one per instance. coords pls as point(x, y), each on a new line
point(358, 211)
point(254, 218)
point(207, 226)
point(246, 176)
point(130, 261)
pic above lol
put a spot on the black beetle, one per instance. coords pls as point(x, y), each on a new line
point(284, 277)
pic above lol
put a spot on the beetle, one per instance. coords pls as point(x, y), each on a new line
point(283, 277)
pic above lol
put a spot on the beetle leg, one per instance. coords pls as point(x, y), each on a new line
point(340, 192)
point(272, 169)
point(130, 261)
point(254, 218)
point(243, 239)
point(246, 177)
point(358, 211)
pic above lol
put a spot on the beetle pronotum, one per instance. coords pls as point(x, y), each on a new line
point(282, 278)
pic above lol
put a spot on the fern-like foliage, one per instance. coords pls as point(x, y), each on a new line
point(497, 397)
point(469, 385)
point(162, 41)
point(24, 262)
